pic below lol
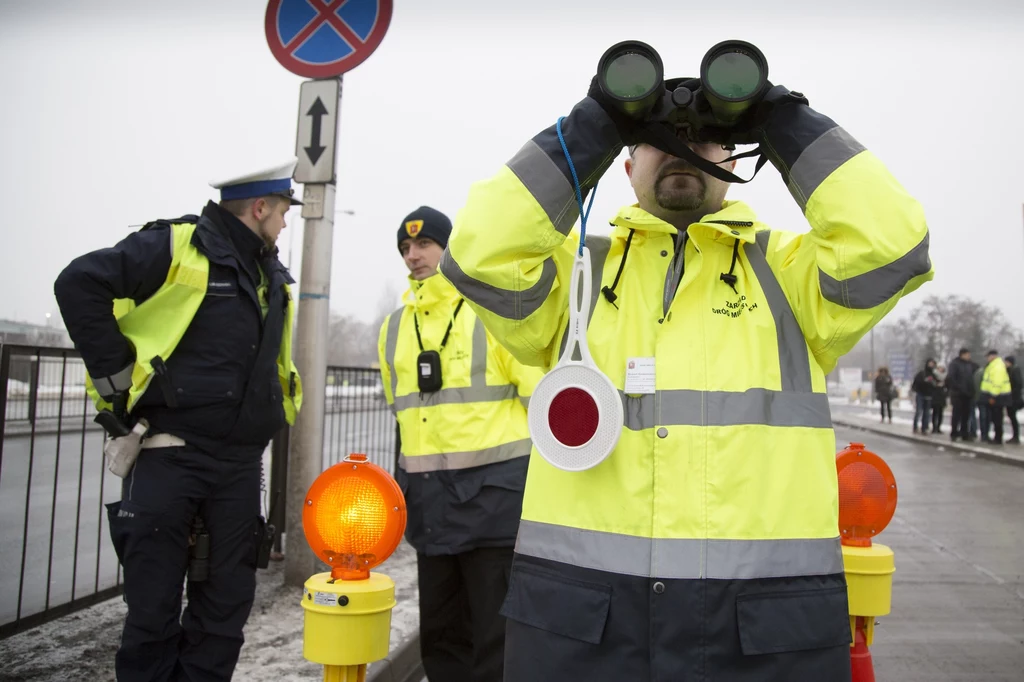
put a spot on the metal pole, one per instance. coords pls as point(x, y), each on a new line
point(872, 369)
point(306, 447)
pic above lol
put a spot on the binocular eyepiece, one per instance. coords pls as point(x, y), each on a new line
point(733, 76)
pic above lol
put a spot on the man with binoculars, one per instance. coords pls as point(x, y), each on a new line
point(705, 547)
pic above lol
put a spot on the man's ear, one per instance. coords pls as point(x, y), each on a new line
point(629, 168)
point(259, 208)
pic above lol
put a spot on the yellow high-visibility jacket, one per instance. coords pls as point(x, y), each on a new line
point(995, 382)
point(727, 472)
point(465, 448)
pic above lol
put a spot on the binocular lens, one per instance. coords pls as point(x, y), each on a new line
point(630, 76)
point(734, 75)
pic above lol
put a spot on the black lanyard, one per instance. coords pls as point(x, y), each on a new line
point(416, 321)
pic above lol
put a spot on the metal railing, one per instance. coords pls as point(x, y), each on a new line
point(55, 552)
point(357, 418)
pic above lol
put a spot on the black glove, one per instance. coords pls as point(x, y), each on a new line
point(625, 125)
point(750, 128)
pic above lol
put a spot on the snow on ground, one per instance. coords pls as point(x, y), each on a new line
point(81, 646)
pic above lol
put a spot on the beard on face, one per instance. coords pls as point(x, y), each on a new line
point(680, 198)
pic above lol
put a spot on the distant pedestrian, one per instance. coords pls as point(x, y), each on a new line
point(884, 392)
point(960, 385)
point(923, 386)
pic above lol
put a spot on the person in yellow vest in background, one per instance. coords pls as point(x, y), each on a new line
point(185, 328)
point(705, 547)
point(460, 399)
point(995, 392)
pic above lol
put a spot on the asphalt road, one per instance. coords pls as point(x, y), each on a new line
point(958, 592)
point(83, 485)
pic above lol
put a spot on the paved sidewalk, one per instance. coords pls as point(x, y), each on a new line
point(866, 417)
point(81, 646)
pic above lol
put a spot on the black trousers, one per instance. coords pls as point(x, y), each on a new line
point(961, 418)
point(462, 636)
point(150, 529)
point(886, 407)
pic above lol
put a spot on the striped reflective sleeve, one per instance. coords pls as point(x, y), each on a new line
point(683, 558)
point(875, 287)
point(755, 406)
point(448, 461)
point(806, 147)
point(115, 383)
point(541, 166)
point(390, 348)
point(511, 305)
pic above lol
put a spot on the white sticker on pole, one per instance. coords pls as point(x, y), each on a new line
point(575, 414)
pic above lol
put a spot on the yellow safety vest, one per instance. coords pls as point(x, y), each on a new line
point(156, 326)
point(996, 379)
point(728, 470)
point(478, 416)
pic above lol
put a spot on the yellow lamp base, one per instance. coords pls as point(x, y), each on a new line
point(869, 583)
point(347, 623)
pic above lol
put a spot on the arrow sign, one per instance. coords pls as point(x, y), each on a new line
point(318, 127)
point(317, 112)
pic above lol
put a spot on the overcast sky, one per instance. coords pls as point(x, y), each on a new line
point(116, 112)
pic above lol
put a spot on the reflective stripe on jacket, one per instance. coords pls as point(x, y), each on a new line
point(465, 447)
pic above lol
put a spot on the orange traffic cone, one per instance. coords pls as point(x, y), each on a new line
point(860, 656)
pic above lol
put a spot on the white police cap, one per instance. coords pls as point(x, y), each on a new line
point(274, 180)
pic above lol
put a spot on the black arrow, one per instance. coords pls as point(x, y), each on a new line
point(314, 150)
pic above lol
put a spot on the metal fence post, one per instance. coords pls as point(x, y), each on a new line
point(33, 386)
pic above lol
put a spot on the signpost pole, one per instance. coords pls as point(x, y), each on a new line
point(322, 42)
point(306, 457)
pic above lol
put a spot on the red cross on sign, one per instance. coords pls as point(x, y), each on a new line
point(325, 38)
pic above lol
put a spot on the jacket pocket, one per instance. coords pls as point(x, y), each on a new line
point(192, 390)
point(553, 603)
point(467, 486)
point(778, 622)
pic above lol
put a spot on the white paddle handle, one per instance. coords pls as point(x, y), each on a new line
point(579, 311)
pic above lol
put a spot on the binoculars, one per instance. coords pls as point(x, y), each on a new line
point(733, 78)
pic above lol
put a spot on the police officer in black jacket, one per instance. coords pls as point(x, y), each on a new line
point(211, 405)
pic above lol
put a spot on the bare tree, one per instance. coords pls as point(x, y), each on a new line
point(937, 328)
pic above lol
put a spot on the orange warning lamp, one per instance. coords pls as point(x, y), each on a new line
point(354, 517)
point(867, 495)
